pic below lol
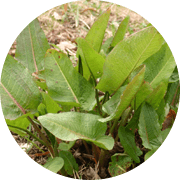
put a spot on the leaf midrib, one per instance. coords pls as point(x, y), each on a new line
point(76, 99)
point(74, 132)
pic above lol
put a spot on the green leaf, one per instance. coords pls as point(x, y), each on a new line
point(119, 164)
point(65, 84)
point(149, 154)
point(159, 66)
point(66, 146)
point(149, 127)
point(51, 105)
point(19, 93)
point(154, 99)
point(31, 47)
point(127, 96)
point(110, 105)
point(21, 122)
point(161, 111)
point(119, 36)
point(172, 88)
point(54, 164)
point(69, 162)
point(127, 139)
point(95, 35)
point(127, 55)
point(133, 124)
point(142, 94)
point(105, 47)
point(70, 126)
point(42, 109)
point(175, 76)
point(91, 58)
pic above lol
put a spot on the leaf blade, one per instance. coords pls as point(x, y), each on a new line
point(65, 84)
point(127, 139)
point(149, 127)
point(127, 55)
point(19, 93)
point(96, 33)
point(119, 36)
point(91, 58)
point(32, 46)
point(70, 126)
point(127, 96)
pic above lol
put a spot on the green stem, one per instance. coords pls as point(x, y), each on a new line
point(106, 97)
point(28, 132)
point(56, 149)
point(34, 144)
point(114, 125)
point(48, 145)
point(98, 103)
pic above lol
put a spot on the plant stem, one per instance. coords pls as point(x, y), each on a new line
point(34, 144)
point(28, 132)
point(98, 103)
point(106, 97)
point(114, 125)
point(42, 136)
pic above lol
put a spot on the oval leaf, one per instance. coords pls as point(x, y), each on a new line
point(70, 126)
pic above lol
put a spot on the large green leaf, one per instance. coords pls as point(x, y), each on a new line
point(65, 84)
point(31, 47)
point(19, 93)
point(127, 55)
point(70, 126)
point(119, 36)
point(91, 58)
point(149, 127)
point(127, 139)
point(127, 96)
point(96, 33)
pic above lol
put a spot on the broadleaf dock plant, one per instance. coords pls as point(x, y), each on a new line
point(139, 85)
